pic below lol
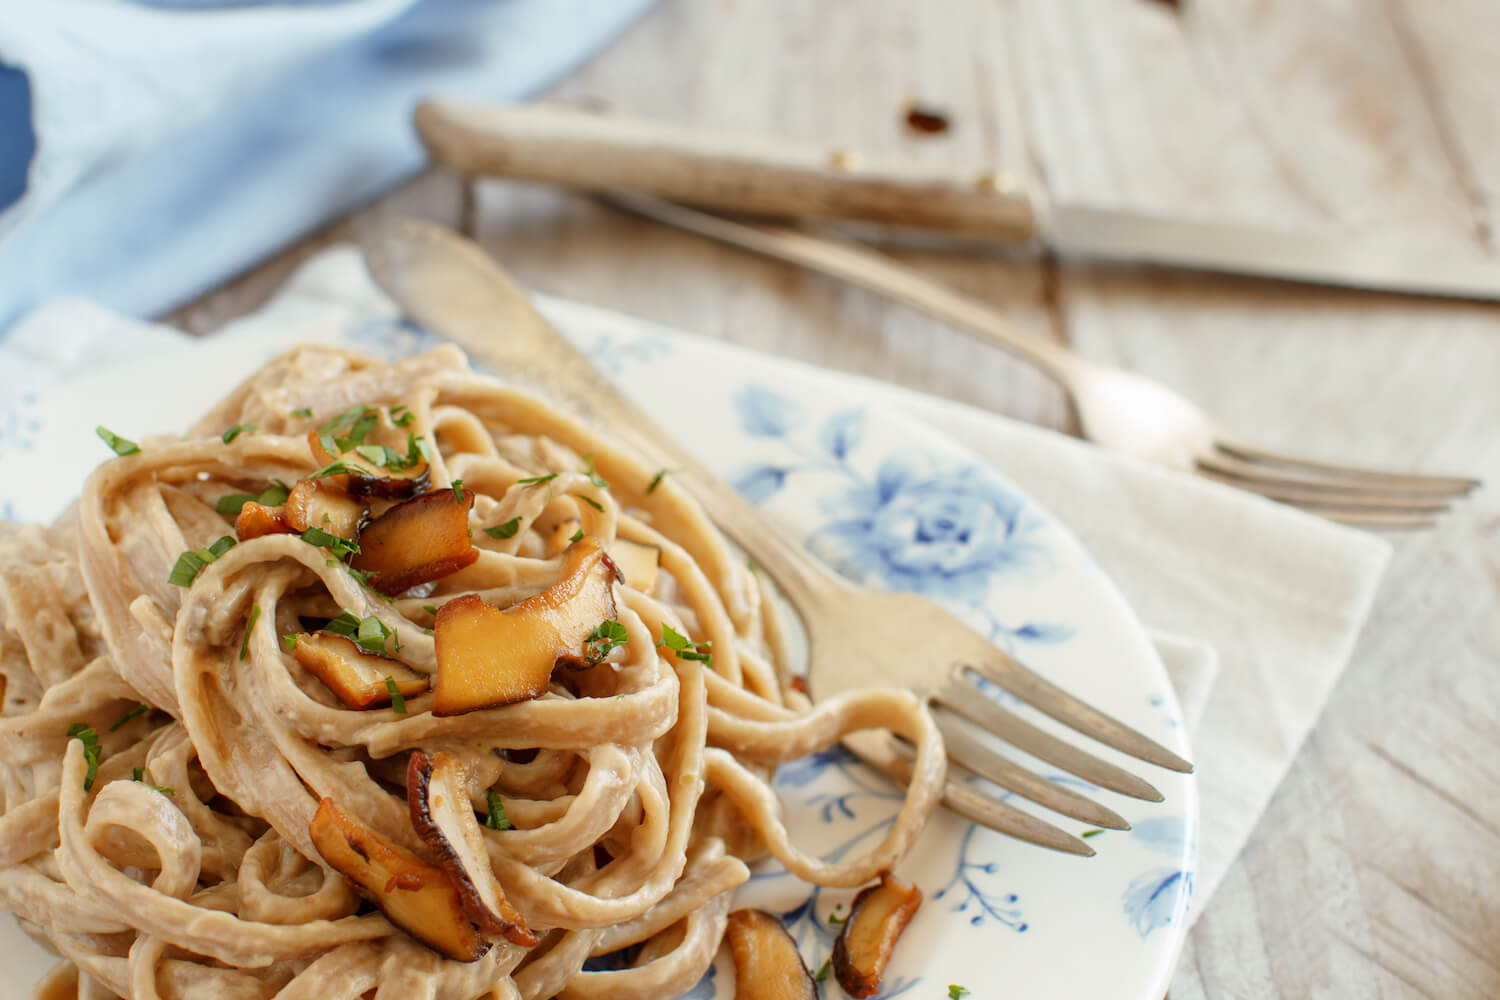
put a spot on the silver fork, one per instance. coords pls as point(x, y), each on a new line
point(857, 637)
point(1116, 409)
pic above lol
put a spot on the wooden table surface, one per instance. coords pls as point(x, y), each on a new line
point(1376, 870)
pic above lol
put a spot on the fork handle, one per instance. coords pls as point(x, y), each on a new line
point(565, 145)
point(872, 271)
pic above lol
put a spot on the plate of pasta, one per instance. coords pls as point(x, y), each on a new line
point(258, 741)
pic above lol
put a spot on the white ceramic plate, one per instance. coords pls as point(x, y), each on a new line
point(882, 498)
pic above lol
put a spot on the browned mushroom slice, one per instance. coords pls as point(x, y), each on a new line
point(438, 797)
point(640, 563)
point(418, 541)
point(317, 503)
point(767, 965)
point(488, 657)
point(255, 520)
point(365, 478)
point(876, 919)
point(416, 896)
point(357, 677)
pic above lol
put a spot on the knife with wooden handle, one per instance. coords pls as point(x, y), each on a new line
point(565, 145)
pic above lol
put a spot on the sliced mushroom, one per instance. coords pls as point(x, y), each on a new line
point(438, 797)
point(317, 503)
point(488, 657)
point(767, 965)
point(418, 541)
point(417, 897)
point(256, 519)
point(640, 563)
point(389, 484)
point(876, 919)
point(357, 677)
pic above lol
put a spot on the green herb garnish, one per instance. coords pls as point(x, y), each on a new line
point(289, 642)
point(576, 536)
point(684, 648)
point(656, 480)
point(401, 416)
point(398, 700)
point(497, 820)
point(120, 446)
point(340, 468)
point(236, 431)
point(505, 530)
point(593, 503)
point(369, 634)
point(302, 411)
point(273, 496)
point(189, 564)
point(1090, 833)
point(954, 992)
point(607, 637)
point(537, 480)
point(594, 477)
point(338, 546)
point(431, 609)
point(823, 970)
point(835, 919)
point(85, 734)
point(254, 616)
point(139, 774)
point(134, 713)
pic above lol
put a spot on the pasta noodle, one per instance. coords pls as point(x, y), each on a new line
point(636, 789)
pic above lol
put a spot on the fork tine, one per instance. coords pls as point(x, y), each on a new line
point(1322, 488)
point(886, 753)
point(1390, 478)
point(968, 701)
point(1052, 700)
point(968, 751)
point(1307, 495)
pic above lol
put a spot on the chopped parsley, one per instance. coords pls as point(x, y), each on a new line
point(835, 919)
point(606, 638)
point(656, 480)
point(431, 609)
point(190, 563)
point(593, 503)
point(684, 648)
point(505, 530)
point(338, 546)
point(119, 445)
point(364, 576)
point(340, 468)
point(954, 992)
point(594, 477)
point(134, 713)
point(823, 970)
point(254, 617)
point(398, 700)
point(369, 634)
point(1090, 833)
point(536, 480)
point(289, 642)
point(302, 411)
point(272, 496)
point(576, 536)
point(401, 416)
point(85, 734)
point(139, 774)
point(236, 431)
point(458, 491)
point(497, 820)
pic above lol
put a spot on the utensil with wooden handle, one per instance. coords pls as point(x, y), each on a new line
point(564, 145)
point(858, 638)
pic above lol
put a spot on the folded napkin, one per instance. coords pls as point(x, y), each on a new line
point(149, 149)
point(1272, 598)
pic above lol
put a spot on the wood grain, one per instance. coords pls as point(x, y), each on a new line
point(1373, 872)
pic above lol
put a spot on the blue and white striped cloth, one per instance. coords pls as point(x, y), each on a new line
point(149, 149)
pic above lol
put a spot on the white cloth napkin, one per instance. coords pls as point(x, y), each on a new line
point(1273, 599)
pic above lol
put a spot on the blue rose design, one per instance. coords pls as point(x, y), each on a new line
point(932, 530)
point(765, 413)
